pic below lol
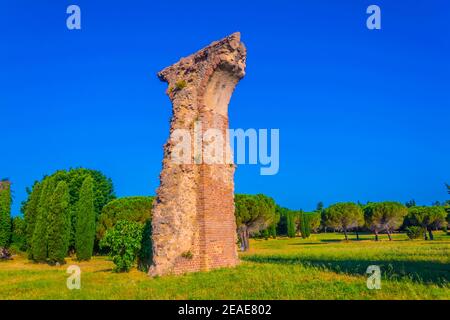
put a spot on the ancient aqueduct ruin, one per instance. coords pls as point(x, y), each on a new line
point(193, 224)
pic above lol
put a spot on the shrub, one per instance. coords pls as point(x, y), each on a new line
point(414, 232)
point(187, 255)
point(124, 241)
point(145, 255)
point(136, 209)
point(180, 84)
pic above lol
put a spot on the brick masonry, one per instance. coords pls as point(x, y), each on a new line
point(193, 221)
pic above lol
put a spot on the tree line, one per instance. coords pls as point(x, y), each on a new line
point(76, 213)
point(259, 216)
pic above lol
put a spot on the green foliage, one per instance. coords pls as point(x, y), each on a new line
point(39, 243)
point(180, 84)
point(5, 213)
point(326, 268)
point(414, 232)
point(384, 216)
point(447, 208)
point(145, 254)
point(291, 218)
point(319, 206)
point(282, 224)
point(428, 218)
point(314, 220)
point(30, 210)
point(136, 209)
point(263, 234)
point(58, 229)
point(254, 213)
point(102, 189)
point(448, 219)
point(344, 216)
point(18, 234)
point(305, 224)
point(187, 255)
point(85, 219)
point(272, 230)
point(411, 203)
point(103, 192)
point(124, 242)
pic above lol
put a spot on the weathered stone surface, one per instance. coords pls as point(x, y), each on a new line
point(193, 219)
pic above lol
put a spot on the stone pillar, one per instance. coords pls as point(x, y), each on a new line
point(193, 223)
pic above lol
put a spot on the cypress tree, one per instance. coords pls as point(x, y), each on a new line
point(5, 213)
point(39, 241)
point(305, 225)
point(29, 210)
point(85, 221)
point(308, 218)
point(291, 223)
point(145, 254)
point(58, 224)
point(273, 230)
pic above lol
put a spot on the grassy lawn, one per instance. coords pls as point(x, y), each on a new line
point(321, 267)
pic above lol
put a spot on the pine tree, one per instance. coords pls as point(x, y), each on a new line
point(29, 210)
point(5, 213)
point(85, 221)
point(58, 224)
point(39, 242)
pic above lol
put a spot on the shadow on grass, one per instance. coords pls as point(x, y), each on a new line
point(104, 270)
point(418, 271)
point(305, 244)
point(332, 240)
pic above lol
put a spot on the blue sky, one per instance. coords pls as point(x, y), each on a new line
point(363, 114)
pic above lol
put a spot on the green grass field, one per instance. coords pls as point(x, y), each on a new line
point(321, 267)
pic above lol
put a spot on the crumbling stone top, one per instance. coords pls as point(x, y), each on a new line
point(228, 53)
